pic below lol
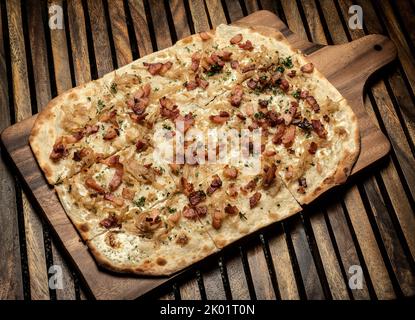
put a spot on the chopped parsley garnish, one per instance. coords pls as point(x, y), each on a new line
point(156, 89)
point(171, 210)
point(242, 216)
point(259, 115)
point(113, 87)
point(100, 105)
point(296, 94)
point(287, 62)
point(280, 69)
point(140, 202)
point(215, 68)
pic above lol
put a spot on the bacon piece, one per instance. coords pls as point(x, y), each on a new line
point(109, 117)
point(273, 118)
point(196, 57)
point(188, 121)
point(230, 172)
point(116, 200)
point(246, 46)
point(269, 176)
point(110, 222)
point(236, 39)
point(249, 187)
point(201, 211)
point(168, 108)
point(277, 138)
point(288, 117)
point(111, 133)
point(201, 82)
point(232, 190)
point(78, 155)
point(302, 182)
point(141, 145)
point(234, 64)
point(313, 103)
point(217, 219)
point(221, 118)
point(319, 128)
point(158, 68)
point(189, 213)
point(92, 184)
point(215, 185)
point(284, 85)
point(303, 94)
point(127, 194)
point(248, 67)
point(196, 197)
point(236, 95)
point(312, 149)
point(252, 84)
point(292, 74)
point(191, 85)
point(114, 162)
point(307, 68)
point(186, 186)
point(253, 201)
point(275, 77)
point(204, 35)
point(225, 55)
point(59, 150)
point(232, 210)
point(182, 239)
point(289, 136)
point(241, 116)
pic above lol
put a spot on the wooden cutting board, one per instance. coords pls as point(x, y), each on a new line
point(346, 66)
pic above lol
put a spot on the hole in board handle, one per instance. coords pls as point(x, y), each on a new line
point(378, 47)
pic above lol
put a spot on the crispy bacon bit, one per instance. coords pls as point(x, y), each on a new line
point(114, 162)
point(288, 137)
point(215, 185)
point(128, 194)
point(232, 190)
point(230, 172)
point(236, 39)
point(168, 109)
point(78, 135)
point(111, 133)
point(204, 35)
point(313, 103)
point(277, 138)
point(319, 128)
point(190, 85)
point(221, 118)
point(273, 118)
point(141, 145)
point(275, 77)
point(201, 211)
point(92, 184)
point(326, 118)
point(225, 55)
point(249, 187)
point(59, 150)
point(241, 116)
point(77, 156)
point(307, 68)
point(284, 85)
point(116, 200)
point(263, 103)
point(269, 153)
point(201, 82)
point(292, 74)
point(232, 210)
point(110, 222)
point(189, 213)
point(303, 94)
point(269, 176)
point(217, 219)
point(109, 117)
point(234, 64)
point(312, 149)
point(158, 68)
point(288, 117)
point(302, 182)
point(196, 57)
point(186, 186)
point(236, 95)
point(248, 67)
point(246, 46)
point(196, 197)
point(252, 84)
point(253, 201)
point(182, 239)
point(188, 121)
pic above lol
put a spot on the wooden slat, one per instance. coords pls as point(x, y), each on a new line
point(237, 277)
point(43, 96)
point(234, 10)
point(313, 22)
point(200, 19)
point(120, 32)
point(161, 28)
point(326, 249)
point(100, 37)
point(283, 267)
point(216, 13)
point(291, 13)
point(60, 55)
point(213, 283)
point(79, 43)
point(181, 24)
point(142, 32)
point(22, 106)
point(11, 286)
point(189, 289)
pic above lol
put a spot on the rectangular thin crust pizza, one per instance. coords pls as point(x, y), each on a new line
point(103, 145)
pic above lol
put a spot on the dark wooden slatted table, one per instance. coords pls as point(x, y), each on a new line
point(369, 222)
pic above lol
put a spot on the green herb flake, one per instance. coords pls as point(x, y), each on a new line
point(140, 202)
point(114, 87)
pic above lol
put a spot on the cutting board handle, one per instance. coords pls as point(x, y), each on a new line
point(355, 62)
